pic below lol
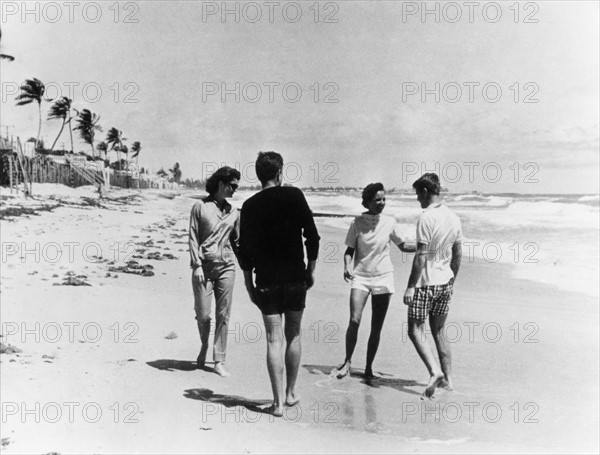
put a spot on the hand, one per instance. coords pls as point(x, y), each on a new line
point(198, 276)
point(348, 275)
point(251, 290)
point(310, 279)
point(409, 295)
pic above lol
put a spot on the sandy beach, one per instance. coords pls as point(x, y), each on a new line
point(109, 367)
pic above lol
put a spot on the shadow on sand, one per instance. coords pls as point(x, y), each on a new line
point(179, 365)
point(172, 365)
point(384, 380)
point(229, 401)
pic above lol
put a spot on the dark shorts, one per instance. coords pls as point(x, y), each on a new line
point(430, 300)
point(279, 298)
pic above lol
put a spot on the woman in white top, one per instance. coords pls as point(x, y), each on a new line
point(368, 241)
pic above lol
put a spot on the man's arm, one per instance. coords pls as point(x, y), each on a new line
point(415, 273)
point(309, 230)
point(456, 258)
point(234, 237)
point(245, 256)
point(249, 283)
point(310, 274)
point(310, 233)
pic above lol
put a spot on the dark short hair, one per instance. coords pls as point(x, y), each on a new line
point(370, 192)
point(429, 182)
point(268, 164)
point(225, 174)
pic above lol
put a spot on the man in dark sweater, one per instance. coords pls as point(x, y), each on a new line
point(273, 222)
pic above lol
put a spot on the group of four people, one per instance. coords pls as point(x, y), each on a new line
point(267, 238)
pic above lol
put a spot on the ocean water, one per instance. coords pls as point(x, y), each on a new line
point(554, 239)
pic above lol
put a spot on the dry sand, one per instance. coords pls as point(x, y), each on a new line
point(108, 368)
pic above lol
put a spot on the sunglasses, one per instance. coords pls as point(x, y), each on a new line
point(234, 186)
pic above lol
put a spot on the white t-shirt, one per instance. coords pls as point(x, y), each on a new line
point(369, 236)
point(439, 229)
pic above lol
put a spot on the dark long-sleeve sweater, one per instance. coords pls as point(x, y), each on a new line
point(272, 225)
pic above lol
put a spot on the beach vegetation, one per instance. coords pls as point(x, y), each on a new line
point(32, 90)
point(194, 183)
point(87, 125)
point(118, 165)
point(124, 149)
point(175, 173)
point(102, 149)
point(61, 110)
point(10, 58)
point(114, 140)
point(136, 148)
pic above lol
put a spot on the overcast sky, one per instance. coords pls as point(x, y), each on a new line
point(373, 58)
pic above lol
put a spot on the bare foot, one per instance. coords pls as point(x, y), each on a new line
point(343, 370)
point(369, 374)
point(446, 385)
point(292, 399)
point(221, 371)
point(433, 383)
point(276, 411)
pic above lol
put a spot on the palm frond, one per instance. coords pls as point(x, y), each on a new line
point(60, 109)
point(31, 90)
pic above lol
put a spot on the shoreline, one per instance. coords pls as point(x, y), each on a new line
point(181, 409)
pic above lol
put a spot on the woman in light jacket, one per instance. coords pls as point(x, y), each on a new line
point(213, 239)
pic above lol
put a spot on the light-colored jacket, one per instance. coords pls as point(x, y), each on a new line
point(213, 234)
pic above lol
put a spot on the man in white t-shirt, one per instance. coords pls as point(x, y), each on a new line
point(430, 285)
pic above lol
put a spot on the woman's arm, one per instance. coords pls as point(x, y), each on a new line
point(408, 247)
point(418, 265)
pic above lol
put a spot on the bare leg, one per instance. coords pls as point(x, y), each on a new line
point(293, 352)
point(274, 360)
point(380, 304)
point(443, 348)
point(358, 300)
point(416, 332)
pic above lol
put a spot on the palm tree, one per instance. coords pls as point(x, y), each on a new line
point(136, 148)
point(70, 121)
point(32, 90)
point(124, 149)
point(61, 109)
point(102, 148)
point(176, 173)
point(10, 58)
point(114, 139)
point(87, 124)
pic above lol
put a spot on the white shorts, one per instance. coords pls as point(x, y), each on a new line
point(381, 284)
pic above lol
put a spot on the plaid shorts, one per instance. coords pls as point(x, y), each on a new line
point(430, 300)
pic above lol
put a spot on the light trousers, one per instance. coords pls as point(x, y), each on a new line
point(218, 280)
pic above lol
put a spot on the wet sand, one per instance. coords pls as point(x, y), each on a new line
point(109, 368)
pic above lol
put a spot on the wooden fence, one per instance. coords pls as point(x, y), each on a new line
point(44, 169)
